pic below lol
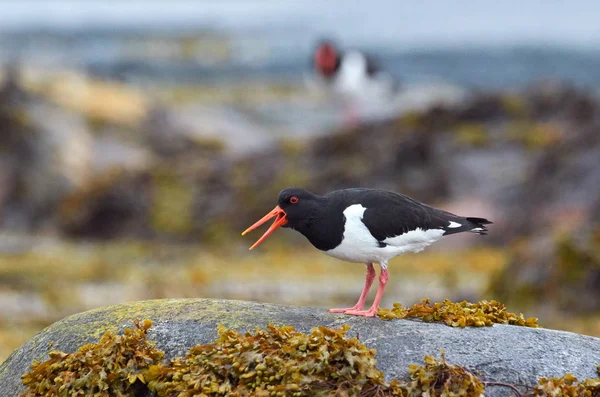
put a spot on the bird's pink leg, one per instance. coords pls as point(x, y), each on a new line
point(351, 116)
point(383, 279)
point(363, 295)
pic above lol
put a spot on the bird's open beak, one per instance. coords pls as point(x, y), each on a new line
point(280, 221)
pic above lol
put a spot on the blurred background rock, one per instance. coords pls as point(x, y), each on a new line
point(137, 140)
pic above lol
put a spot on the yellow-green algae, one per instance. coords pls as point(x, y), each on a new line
point(111, 367)
point(437, 377)
point(566, 386)
point(228, 312)
point(459, 314)
point(89, 326)
point(278, 361)
point(275, 361)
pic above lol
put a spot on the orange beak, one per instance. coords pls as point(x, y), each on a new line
point(280, 221)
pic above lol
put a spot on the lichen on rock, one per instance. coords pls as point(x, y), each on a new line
point(501, 354)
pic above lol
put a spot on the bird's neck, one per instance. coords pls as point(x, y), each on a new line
point(325, 228)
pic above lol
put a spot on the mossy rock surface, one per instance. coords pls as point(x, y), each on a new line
point(517, 355)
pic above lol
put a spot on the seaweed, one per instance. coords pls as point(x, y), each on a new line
point(441, 378)
point(278, 361)
point(459, 314)
point(111, 367)
point(566, 386)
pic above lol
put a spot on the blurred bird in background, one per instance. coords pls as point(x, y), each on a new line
point(356, 80)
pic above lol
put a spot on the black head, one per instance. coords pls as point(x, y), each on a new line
point(297, 208)
point(300, 206)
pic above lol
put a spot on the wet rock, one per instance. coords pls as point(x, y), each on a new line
point(503, 353)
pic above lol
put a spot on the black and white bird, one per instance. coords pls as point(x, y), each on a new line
point(364, 88)
point(365, 226)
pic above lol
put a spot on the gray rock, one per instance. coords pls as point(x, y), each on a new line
point(502, 353)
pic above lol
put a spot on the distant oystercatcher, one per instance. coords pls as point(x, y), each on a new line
point(365, 226)
point(355, 76)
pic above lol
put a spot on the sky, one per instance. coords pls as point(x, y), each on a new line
point(410, 23)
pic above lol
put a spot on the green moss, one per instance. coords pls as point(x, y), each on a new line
point(460, 314)
point(230, 313)
point(91, 324)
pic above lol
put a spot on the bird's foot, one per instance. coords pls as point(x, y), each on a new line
point(345, 310)
point(366, 313)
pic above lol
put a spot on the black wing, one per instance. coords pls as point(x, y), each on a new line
point(391, 214)
point(373, 66)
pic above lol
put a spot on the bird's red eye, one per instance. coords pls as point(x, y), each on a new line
point(293, 199)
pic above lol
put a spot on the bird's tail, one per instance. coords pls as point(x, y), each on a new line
point(478, 225)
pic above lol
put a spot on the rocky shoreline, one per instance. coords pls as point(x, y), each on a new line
point(528, 160)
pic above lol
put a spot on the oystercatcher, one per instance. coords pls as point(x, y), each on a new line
point(365, 89)
point(365, 226)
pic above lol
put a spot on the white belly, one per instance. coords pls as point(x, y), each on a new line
point(354, 83)
point(358, 245)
